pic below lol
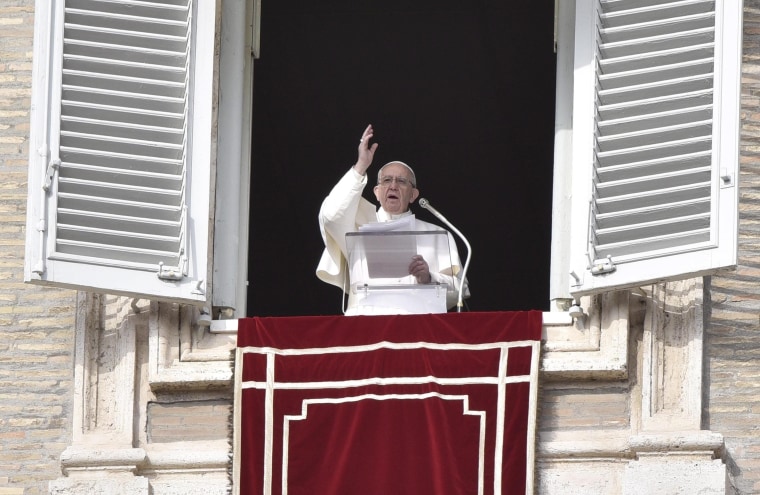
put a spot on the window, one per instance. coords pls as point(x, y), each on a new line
point(654, 141)
point(122, 170)
point(120, 149)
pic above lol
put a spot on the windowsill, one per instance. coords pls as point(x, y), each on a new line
point(592, 346)
point(551, 318)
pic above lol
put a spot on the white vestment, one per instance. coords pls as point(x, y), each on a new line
point(343, 211)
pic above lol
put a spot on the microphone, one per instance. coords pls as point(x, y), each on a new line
point(426, 204)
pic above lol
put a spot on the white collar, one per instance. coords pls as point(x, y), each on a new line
point(384, 216)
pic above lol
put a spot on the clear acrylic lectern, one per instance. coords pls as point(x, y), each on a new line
point(379, 272)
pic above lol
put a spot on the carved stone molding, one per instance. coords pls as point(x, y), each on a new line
point(102, 457)
point(671, 374)
point(184, 354)
point(119, 343)
point(104, 375)
point(670, 449)
point(592, 346)
point(698, 445)
point(586, 444)
point(189, 468)
point(83, 460)
point(175, 468)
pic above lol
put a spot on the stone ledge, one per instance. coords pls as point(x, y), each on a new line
point(592, 347)
point(84, 460)
point(207, 455)
point(584, 449)
point(697, 442)
point(597, 445)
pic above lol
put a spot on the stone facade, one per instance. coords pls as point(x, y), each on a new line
point(36, 325)
point(654, 391)
point(732, 350)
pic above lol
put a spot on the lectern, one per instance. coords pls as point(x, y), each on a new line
point(380, 282)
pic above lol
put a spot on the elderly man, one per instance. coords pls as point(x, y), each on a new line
point(344, 210)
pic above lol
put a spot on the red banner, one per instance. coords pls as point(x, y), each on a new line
point(371, 405)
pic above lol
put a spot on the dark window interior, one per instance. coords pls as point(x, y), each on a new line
point(462, 91)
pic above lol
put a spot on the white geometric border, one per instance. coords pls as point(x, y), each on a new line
point(465, 410)
point(500, 380)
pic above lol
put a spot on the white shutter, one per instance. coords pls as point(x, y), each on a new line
point(120, 154)
point(655, 129)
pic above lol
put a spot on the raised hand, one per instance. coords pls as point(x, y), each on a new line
point(366, 151)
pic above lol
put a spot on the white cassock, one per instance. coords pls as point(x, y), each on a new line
point(343, 211)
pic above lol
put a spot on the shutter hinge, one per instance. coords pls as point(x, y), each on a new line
point(600, 267)
point(53, 165)
point(173, 272)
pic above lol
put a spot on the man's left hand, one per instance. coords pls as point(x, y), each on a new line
point(419, 268)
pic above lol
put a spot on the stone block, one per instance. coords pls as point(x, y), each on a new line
point(665, 475)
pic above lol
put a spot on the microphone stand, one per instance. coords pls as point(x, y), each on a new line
point(426, 204)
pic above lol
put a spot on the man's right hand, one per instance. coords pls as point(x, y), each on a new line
point(366, 151)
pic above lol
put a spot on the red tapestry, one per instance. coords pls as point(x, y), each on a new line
point(378, 405)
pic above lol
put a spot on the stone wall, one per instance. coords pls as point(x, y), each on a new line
point(36, 324)
point(732, 344)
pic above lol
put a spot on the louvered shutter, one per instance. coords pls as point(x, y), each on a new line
point(655, 140)
point(119, 180)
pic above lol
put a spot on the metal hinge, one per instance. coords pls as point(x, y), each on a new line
point(600, 267)
point(171, 273)
point(53, 165)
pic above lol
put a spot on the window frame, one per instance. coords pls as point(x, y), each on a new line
point(569, 178)
point(41, 264)
point(574, 145)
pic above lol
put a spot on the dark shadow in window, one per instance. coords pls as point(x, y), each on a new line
point(462, 91)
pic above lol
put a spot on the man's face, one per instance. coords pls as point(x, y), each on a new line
point(394, 196)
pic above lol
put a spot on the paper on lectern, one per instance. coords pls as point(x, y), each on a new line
point(403, 223)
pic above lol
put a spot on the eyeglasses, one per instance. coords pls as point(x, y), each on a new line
point(387, 180)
